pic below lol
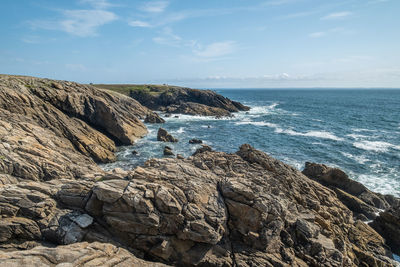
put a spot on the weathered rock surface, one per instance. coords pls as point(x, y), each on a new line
point(353, 194)
point(388, 225)
point(153, 118)
point(174, 99)
point(78, 254)
point(218, 209)
point(164, 136)
point(44, 123)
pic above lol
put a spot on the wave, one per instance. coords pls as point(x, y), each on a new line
point(357, 136)
point(317, 134)
point(257, 123)
point(359, 159)
point(363, 130)
point(376, 146)
point(181, 130)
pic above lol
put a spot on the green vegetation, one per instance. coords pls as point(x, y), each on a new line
point(143, 88)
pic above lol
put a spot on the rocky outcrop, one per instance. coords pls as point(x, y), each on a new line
point(353, 194)
point(174, 99)
point(55, 129)
point(153, 118)
point(388, 225)
point(78, 254)
point(164, 136)
point(212, 209)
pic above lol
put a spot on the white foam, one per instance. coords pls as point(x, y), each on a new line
point(360, 159)
point(317, 134)
point(376, 146)
point(356, 136)
point(181, 130)
point(257, 123)
point(363, 130)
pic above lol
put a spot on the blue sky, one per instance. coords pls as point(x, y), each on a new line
point(208, 43)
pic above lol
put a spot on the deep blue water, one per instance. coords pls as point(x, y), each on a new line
point(356, 130)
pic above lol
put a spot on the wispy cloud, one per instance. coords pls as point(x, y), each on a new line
point(168, 37)
point(317, 34)
point(154, 7)
point(337, 15)
point(81, 23)
point(341, 31)
point(217, 49)
point(139, 23)
point(97, 4)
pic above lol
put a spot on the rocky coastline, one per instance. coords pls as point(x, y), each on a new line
point(57, 206)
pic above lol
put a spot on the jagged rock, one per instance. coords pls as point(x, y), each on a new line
point(191, 108)
point(202, 149)
point(168, 151)
point(153, 118)
point(164, 136)
point(353, 194)
point(78, 254)
point(388, 225)
point(195, 141)
point(43, 123)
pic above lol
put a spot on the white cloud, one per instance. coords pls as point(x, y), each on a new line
point(168, 37)
point(155, 7)
point(317, 34)
point(140, 23)
point(337, 15)
point(81, 23)
point(217, 49)
point(85, 22)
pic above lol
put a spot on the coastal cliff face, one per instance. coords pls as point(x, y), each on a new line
point(210, 209)
point(174, 99)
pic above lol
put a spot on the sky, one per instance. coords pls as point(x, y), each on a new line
point(205, 44)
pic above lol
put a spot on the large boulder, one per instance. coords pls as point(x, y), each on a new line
point(164, 136)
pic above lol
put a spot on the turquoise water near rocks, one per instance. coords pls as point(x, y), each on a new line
point(355, 130)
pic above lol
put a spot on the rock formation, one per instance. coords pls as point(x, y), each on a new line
point(173, 99)
point(164, 136)
point(57, 207)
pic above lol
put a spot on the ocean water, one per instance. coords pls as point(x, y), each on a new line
point(355, 130)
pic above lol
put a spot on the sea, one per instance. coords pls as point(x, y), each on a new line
point(356, 130)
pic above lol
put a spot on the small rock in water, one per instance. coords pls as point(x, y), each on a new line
point(168, 151)
point(176, 116)
point(179, 156)
point(195, 141)
point(134, 152)
point(164, 136)
point(153, 118)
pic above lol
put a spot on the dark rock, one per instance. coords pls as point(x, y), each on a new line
point(168, 151)
point(164, 136)
point(388, 225)
point(176, 116)
point(353, 194)
point(202, 149)
point(153, 118)
point(195, 141)
point(179, 156)
point(134, 152)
